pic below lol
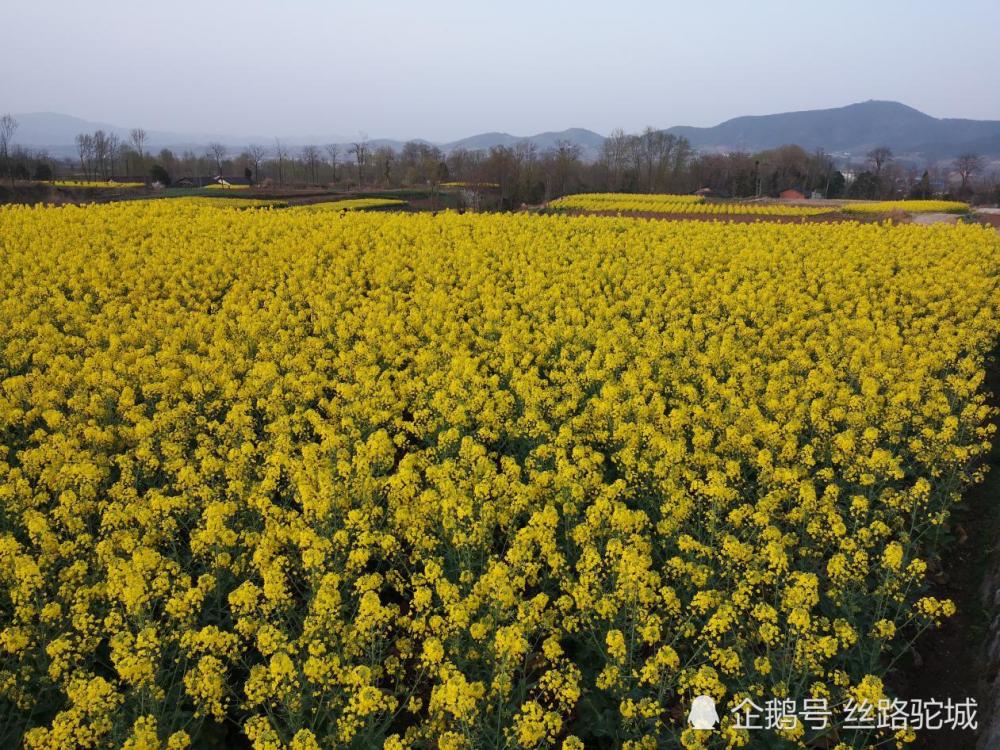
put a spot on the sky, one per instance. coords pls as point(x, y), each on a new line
point(444, 69)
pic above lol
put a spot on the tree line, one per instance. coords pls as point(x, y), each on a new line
point(651, 161)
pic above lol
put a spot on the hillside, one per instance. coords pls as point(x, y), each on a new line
point(853, 129)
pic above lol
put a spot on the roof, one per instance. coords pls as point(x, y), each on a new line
point(711, 191)
point(218, 179)
point(231, 180)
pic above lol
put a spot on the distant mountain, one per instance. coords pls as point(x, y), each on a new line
point(43, 129)
point(588, 141)
point(56, 132)
point(483, 141)
point(843, 131)
point(852, 130)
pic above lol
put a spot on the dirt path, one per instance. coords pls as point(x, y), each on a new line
point(989, 216)
point(935, 218)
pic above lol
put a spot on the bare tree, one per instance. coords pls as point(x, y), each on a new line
point(649, 147)
point(559, 165)
point(430, 166)
point(256, 154)
point(462, 163)
point(360, 151)
point(8, 126)
point(85, 150)
point(101, 154)
point(879, 157)
point(660, 154)
point(114, 153)
point(310, 155)
point(614, 156)
point(383, 159)
point(968, 165)
point(217, 152)
point(332, 152)
point(137, 137)
point(280, 153)
point(502, 166)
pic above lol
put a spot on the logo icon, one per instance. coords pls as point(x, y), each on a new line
point(703, 714)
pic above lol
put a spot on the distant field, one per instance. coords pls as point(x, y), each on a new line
point(85, 184)
point(677, 204)
point(219, 202)
point(918, 206)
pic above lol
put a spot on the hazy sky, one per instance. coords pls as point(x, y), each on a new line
point(442, 69)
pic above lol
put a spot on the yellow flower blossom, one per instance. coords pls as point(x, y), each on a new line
point(458, 481)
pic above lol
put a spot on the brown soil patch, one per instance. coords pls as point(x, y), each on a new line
point(990, 219)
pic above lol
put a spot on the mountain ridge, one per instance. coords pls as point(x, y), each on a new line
point(846, 132)
point(849, 130)
point(56, 132)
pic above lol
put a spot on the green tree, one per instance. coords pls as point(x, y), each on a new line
point(159, 174)
point(922, 189)
point(836, 184)
point(865, 185)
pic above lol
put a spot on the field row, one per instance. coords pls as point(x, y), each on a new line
point(689, 204)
